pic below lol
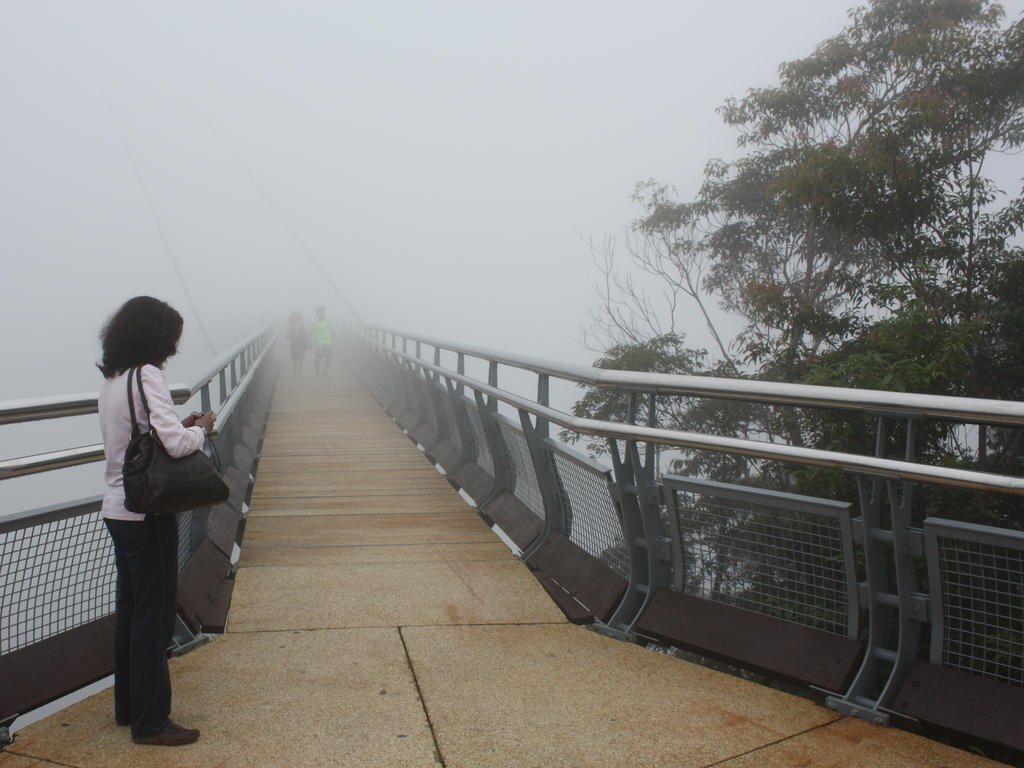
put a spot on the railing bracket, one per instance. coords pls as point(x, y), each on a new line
point(651, 495)
point(5, 731)
point(856, 710)
point(614, 633)
point(914, 542)
point(918, 604)
point(661, 548)
point(180, 649)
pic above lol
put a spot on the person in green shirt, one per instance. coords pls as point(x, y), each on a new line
point(323, 339)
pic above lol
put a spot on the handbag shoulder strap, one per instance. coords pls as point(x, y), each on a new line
point(137, 373)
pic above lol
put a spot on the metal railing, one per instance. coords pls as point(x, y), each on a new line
point(846, 569)
point(57, 575)
point(229, 369)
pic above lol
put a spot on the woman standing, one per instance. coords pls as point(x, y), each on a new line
point(144, 333)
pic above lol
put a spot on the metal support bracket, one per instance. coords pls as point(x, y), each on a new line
point(503, 477)
point(615, 634)
point(898, 606)
point(556, 516)
point(919, 605)
point(661, 548)
point(180, 649)
point(457, 398)
point(640, 499)
point(5, 731)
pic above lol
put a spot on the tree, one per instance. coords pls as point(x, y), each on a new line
point(858, 233)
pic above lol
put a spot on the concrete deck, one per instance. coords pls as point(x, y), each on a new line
point(377, 621)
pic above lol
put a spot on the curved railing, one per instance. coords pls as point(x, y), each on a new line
point(57, 574)
point(843, 597)
point(228, 369)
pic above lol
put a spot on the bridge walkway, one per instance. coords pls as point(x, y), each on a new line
point(377, 621)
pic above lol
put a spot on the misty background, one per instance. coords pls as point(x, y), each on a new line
point(443, 163)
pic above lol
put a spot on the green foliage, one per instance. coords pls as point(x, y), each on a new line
point(862, 189)
point(912, 351)
point(661, 354)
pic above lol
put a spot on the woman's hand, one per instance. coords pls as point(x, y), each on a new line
point(204, 420)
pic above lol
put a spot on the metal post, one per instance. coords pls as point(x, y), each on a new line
point(638, 495)
point(204, 397)
point(900, 606)
point(487, 408)
point(457, 397)
point(405, 372)
point(536, 432)
point(436, 390)
point(544, 398)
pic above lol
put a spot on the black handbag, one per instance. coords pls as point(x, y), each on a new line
point(155, 483)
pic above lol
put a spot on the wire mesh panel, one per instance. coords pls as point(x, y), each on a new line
point(781, 555)
point(592, 521)
point(54, 576)
point(976, 576)
point(451, 431)
point(406, 383)
point(424, 401)
point(526, 488)
point(483, 448)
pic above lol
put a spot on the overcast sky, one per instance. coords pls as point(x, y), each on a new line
point(442, 160)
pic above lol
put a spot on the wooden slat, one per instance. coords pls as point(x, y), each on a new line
point(574, 610)
point(773, 647)
point(584, 578)
point(473, 480)
point(515, 519)
point(222, 528)
point(204, 589)
point(445, 453)
point(238, 483)
point(425, 435)
point(56, 666)
point(964, 703)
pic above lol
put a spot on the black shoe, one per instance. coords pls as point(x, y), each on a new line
point(171, 736)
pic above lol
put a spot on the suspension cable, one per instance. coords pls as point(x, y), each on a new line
point(286, 223)
point(167, 245)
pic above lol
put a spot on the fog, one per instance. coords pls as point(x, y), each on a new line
point(442, 163)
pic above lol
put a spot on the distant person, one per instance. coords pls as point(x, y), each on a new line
point(298, 342)
point(144, 333)
point(323, 340)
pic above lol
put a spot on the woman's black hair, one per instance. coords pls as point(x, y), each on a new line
point(144, 330)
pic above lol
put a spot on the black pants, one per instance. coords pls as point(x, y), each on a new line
point(146, 554)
